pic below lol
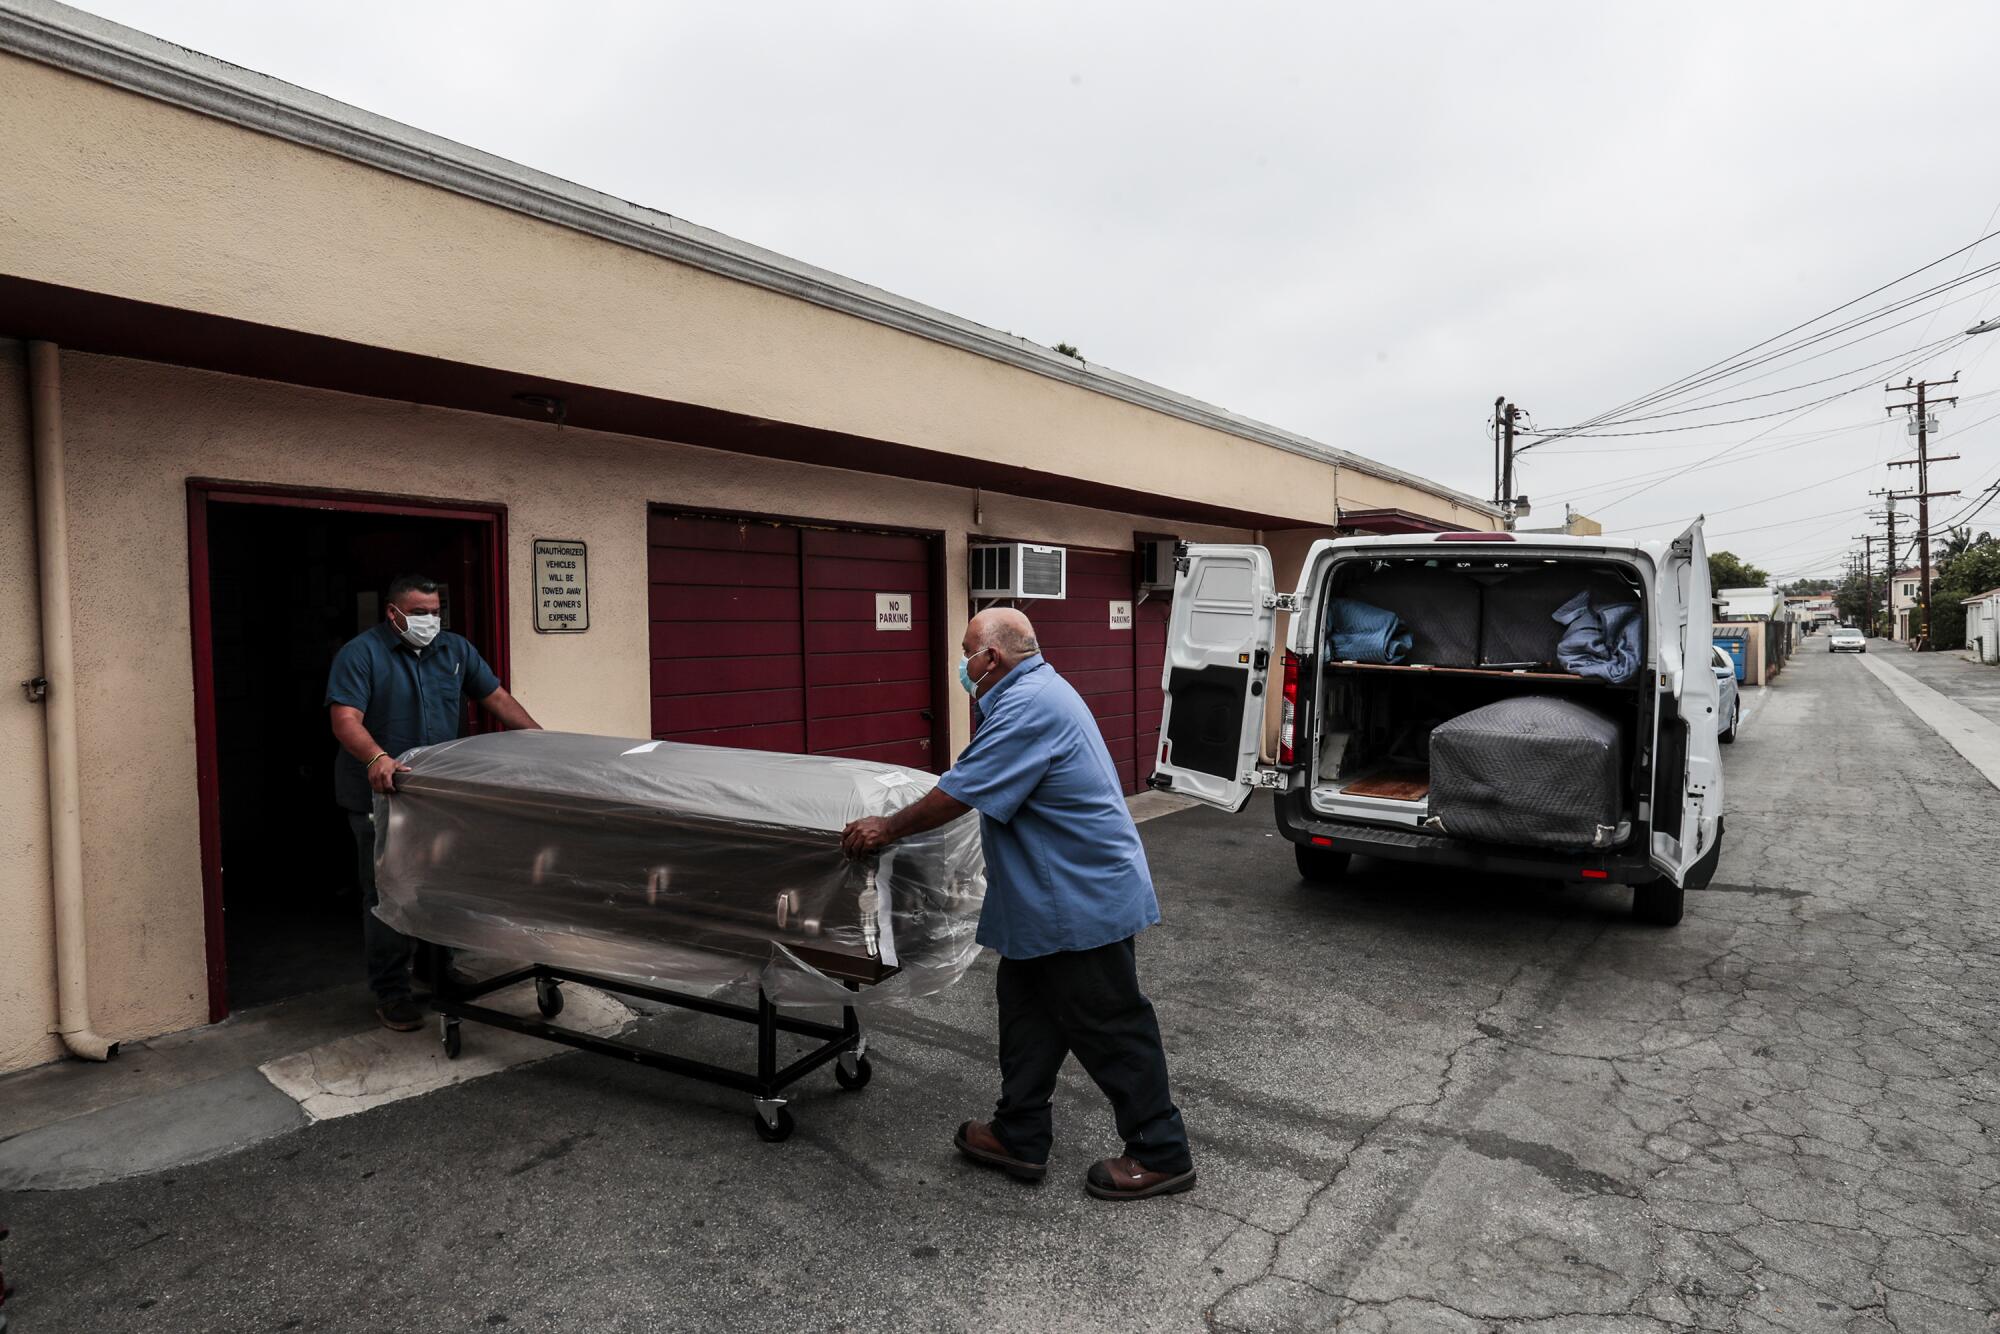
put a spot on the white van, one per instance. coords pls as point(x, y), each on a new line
point(1352, 774)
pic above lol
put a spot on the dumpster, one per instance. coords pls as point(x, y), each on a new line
point(1738, 649)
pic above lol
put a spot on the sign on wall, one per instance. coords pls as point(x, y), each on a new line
point(1121, 616)
point(562, 586)
point(892, 611)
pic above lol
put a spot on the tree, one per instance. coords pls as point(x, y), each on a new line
point(1726, 570)
point(1850, 601)
point(1804, 587)
point(1967, 566)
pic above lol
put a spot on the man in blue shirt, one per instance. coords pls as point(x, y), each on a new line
point(1067, 889)
point(393, 687)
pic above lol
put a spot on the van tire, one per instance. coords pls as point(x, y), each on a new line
point(1658, 904)
point(1320, 866)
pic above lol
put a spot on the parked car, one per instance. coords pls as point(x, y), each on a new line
point(1354, 767)
point(1847, 639)
point(1729, 700)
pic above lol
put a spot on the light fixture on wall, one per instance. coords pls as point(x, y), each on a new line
point(555, 409)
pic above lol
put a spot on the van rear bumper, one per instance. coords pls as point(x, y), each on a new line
point(1298, 822)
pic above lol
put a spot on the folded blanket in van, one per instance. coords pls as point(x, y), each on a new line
point(1362, 633)
point(1599, 641)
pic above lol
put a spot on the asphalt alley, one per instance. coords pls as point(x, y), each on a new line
point(1417, 1104)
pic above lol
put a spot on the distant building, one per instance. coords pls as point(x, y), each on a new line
point(1573, 525)
point(1905, 607)
point(1751, 604)
point(1982, 625)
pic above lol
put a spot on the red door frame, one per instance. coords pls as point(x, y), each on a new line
point(204, 491)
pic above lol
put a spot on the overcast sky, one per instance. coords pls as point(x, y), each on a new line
point(1358, 222)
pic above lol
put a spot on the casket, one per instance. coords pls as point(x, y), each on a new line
point(676, 865)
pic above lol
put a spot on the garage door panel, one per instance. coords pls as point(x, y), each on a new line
point(722, 639)
point(870, 729)
point(839, 604)
point(866, 546)
point(672, 602)
point(868, 576)
point(869, 697)
point(789, 738)
point(700, 534)
point(837, 669)
point(730, 569)
point(727, 708)
point(1106, 658)
point(695, 676)
point(863, 637)
point(764, 636)
point(909, 754)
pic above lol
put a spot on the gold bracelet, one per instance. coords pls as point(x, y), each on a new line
point(379, 755)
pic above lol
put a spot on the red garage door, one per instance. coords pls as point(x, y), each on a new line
point(765, 636)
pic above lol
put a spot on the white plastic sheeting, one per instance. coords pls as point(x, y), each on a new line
point(677, 866)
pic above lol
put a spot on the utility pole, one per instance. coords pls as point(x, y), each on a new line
point(1505, 418)
point(1890, 560)
point(1923, 493)
point(1868, 541)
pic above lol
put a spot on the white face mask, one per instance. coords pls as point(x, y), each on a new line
point(419, 631)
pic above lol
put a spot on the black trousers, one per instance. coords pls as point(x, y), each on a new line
point(386, 952)
point(1087, 1002)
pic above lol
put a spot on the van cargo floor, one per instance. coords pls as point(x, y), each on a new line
point(1394, 782)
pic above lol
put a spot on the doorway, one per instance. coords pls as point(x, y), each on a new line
point(281, 582)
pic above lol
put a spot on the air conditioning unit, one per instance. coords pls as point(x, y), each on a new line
point(1018, 570)
point(1156, 565)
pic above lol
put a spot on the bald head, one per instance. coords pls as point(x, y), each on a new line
point(995, 642)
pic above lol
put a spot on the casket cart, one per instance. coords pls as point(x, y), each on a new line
point(692, 876)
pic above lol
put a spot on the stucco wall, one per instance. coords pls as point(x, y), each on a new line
point(27, 956)
point(111, 192)
point(137, 431)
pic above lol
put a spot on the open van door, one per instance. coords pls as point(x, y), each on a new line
point(1687, 750)
point(1218, 656)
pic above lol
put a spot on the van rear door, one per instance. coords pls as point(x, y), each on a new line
point(1685, 632)
point(1218, 659)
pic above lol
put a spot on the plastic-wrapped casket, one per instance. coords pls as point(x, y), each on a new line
point(1534, 770)
point(676, 865)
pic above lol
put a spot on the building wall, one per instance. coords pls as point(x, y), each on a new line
point(27, 957)
point(136, 431)
point(109, 191)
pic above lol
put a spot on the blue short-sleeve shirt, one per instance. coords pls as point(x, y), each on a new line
point(1064, 866)
point(407, 697)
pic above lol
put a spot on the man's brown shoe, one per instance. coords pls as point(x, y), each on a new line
point(1127, 1179)
point(401, 1014)
point(976, 1140)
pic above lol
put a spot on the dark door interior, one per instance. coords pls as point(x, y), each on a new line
point(288, 586)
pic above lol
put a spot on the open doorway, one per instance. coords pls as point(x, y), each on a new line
point(281, 582)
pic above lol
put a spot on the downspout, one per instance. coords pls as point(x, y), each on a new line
point(59, 668)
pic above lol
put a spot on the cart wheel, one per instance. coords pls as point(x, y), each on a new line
point(857, 1080)
point(773, 1132)
point(448, 1033)
point(548, 997)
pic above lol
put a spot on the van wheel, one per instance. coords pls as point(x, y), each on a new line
point(1321, 866)
point(1658, 904)
point(1735, 713)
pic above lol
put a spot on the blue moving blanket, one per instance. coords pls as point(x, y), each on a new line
point(1599, 641)
point(1362, 633)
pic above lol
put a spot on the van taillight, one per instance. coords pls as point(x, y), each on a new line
point(1288, 717)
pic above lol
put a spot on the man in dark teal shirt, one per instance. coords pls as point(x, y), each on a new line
point(394, 687)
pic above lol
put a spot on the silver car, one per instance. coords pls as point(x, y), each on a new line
point(1847, 639)
point(1728, 700)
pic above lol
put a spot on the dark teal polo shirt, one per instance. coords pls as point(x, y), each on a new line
point(407, 697)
